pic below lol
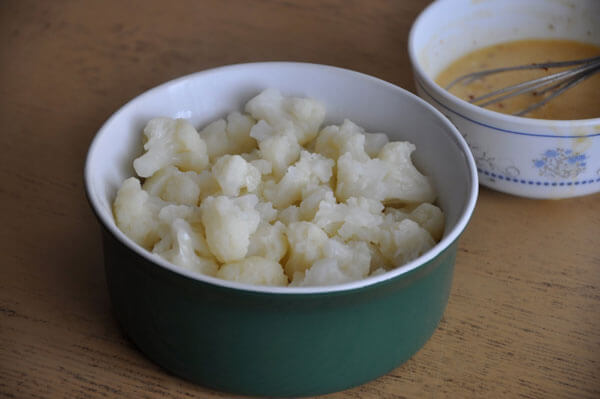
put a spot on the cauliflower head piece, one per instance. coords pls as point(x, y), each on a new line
point(136, 213)
point(182, 240)
point(254, 270)
point(229, 223)
point(390, 178)
point(171, 142)
point(303, 116)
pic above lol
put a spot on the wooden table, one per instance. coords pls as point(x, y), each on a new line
point(524, 314)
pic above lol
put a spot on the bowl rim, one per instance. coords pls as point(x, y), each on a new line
point(450, 237)
point(526, 122)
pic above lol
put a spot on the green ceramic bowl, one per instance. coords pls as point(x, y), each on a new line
point(282, 341)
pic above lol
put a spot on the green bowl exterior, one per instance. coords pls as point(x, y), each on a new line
point(268, 344)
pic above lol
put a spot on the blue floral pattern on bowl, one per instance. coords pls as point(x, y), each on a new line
point(560, 163)
point(505, 160)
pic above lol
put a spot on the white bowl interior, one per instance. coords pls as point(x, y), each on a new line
point(374, 104)
point(449, 29)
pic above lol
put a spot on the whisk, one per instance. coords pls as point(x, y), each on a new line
point(552, 85)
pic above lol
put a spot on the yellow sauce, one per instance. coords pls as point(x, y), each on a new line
point(579, 102)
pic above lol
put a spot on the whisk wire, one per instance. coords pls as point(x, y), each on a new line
point(562, 80)
point(560, 88)
point(533, 84)
point(470, 77)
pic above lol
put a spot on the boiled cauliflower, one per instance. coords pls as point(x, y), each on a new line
point(172, 185)
point(228, 223)
point(277, 146)
point(181, 243)
point(269, 197)
point(335, 141)
point(136, 213)
point(312, 200)
point(171, 142)
point(254, 270)
point(229, 137)
point(341, 263)
point(289, 215)
point(307, 242)
point(404, 241)
point(269, 241)
point(309, 172)
point(303, 116)
point(233, 174)
point(356, 219)
point(390, 178)
point(431, 218)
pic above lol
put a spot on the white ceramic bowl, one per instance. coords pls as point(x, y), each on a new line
point(281, 341)
point(517, 155)
point(376, 105)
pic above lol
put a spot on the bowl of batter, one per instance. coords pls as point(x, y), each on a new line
point(550, 153)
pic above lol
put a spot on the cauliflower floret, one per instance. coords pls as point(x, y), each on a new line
point(187, 188)
point(215, 136)
point(374, 142)
point(209, 186)
point(357, 219)
point(279, 147)
point(302, 115)
point(312, 200)
point(289, 215)
point(333, 141)
point(264, 167)
point(233, 173)
point(306, 242)
point(182, 244)
point(431, 218)
point(360, 179)
point(305, 175)
point(229, 137)
point(378, 261)
point(306, 113)
point(269, 241)
point(171, 142)
point(391, 178)
point(228, 224)
point(353, 257)
point(404, 241)
point(394, 215)
point(404, 181)
point(323, 272)
point(253, 155)
point(342, 263)
point(377, 272)
point(267, 213)
point(254, 270)
point(136, 213)
point(172, 185)
point(272, 200)
point(238, 132)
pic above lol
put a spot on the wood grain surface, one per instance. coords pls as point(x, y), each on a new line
point(523, 319)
